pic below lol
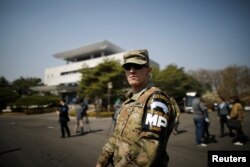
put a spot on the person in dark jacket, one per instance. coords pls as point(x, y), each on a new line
point(224, 112)
point(206, 133)
point(64, 118)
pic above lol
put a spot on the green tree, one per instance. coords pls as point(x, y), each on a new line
point(94, 81)
point(22, 85)
point(172, 80)
point(175, 82)
point(4, 82)
point(7, 97)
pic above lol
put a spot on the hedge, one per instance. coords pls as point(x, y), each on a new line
point(37, 100)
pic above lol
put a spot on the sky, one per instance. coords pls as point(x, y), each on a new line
point(192, 34)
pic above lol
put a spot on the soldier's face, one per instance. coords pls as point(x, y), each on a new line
point(137, 75)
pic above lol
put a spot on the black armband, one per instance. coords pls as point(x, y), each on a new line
point(157, 112)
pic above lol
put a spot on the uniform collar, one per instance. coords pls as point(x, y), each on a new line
point(137, 95)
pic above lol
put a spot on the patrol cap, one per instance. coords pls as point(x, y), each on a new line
point(136, 57)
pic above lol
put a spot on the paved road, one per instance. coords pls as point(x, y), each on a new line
point(34, 141)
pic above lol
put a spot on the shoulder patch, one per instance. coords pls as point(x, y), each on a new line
point(156, 104)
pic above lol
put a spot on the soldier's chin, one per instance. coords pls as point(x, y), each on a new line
point(134, 84)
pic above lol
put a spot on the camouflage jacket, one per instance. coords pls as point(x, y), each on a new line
point(143, 127)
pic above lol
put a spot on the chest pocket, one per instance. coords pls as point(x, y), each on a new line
point(131, 127)
point(136, 115)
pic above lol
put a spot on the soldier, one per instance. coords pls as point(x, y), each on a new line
point(145, 121)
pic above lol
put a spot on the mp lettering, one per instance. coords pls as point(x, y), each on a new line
point(156, 120)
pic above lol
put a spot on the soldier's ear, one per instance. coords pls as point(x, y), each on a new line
point(149, 69)
point(150, 76)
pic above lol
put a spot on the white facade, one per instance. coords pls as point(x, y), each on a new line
point(68, 74)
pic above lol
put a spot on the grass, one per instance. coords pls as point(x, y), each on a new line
point(103, 114)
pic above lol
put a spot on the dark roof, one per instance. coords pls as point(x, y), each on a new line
point(104, 47)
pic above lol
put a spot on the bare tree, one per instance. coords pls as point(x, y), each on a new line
point(233, 80)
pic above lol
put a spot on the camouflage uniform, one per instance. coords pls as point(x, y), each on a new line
point(144, 125)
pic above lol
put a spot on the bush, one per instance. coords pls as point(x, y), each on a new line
point(37, 100)
point(36, 104)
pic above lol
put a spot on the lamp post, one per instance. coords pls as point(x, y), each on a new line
point(110, 86)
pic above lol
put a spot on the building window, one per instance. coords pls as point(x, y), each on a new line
point(69, 72)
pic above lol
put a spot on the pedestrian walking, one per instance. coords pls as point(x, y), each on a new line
point(236, 118)
point(206, 133)
point(80, 114)
point(64, 118)
point(224, 112)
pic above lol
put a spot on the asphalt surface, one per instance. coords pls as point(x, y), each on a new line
point(34, 141)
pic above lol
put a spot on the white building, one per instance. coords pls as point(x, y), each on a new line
point(63, 80)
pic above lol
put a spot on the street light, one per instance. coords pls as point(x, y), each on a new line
point(110, 86)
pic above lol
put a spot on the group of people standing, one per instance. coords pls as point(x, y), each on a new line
point(232, 117)
point(227, 113)
point(63, 112)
